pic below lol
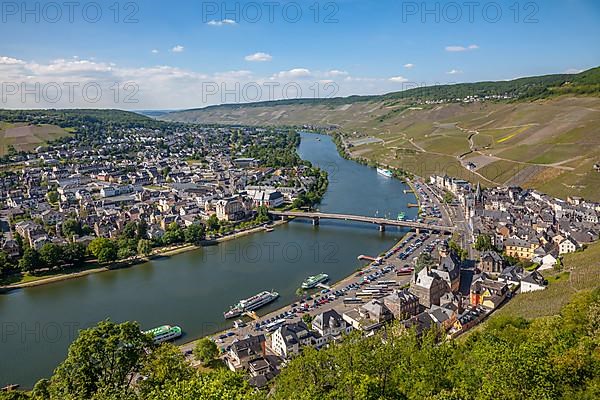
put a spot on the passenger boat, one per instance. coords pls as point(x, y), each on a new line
point(314, 280)
point(251, 303)
point(385, 172)
point(164, 333)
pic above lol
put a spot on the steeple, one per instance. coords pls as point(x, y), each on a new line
point(478, 195)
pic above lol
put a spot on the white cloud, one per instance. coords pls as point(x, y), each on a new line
point(573, 71)
point(164, 86)
point(454, 72)
point(458, 49)
point(294, 73)
point(178, 49)
point(154, 51)
point(259, 57)
point(10, 61)
point(398, 79)
point(335, 72)
point(221, 22)
point(409, 66)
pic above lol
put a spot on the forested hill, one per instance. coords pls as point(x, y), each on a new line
point(77, 117)
point(529, 88)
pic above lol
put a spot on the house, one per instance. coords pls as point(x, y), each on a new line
point(448, 268)
point(568, 245)
point(330, 325)
point(243, 352)
point(511, 275)
point(262, 370)
point(520, 248)
point(491, 262)
point(428, 287)
point(231, 209)
point(403, 304)
point(288, 339)
point(487, 292)
point(443, 317)
point(549, 260)
point(368, 317)
point(467, 320)
point(532, 282)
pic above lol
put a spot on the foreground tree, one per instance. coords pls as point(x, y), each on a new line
point(102, 360)
point(206, 350)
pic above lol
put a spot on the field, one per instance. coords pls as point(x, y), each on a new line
point(551, 145)
point(24, 137)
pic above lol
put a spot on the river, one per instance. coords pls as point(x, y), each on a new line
point(193, 289)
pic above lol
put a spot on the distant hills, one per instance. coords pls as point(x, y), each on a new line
point(529, 88)
point(541, 132)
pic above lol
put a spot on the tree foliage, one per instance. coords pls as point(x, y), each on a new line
point(206, 350)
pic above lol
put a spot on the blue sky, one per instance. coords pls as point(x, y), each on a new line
point(176, 53)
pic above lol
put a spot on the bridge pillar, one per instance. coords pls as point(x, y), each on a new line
point(381, 228)
point(315, 221)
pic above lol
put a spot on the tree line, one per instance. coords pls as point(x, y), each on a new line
point(556, 357)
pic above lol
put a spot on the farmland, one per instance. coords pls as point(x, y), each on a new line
point(26, 137)
point(549, 144)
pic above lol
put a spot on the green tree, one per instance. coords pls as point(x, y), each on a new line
point(130, 230)
point(213, 223)
point(105, 250)
point(205, 350)
point(51, 255)
point(483, 243)
point(424, 261)
point(307, 319)
point(194, 234)
point(30, 261)
point(53, 197)
point(5, 263)
point(103, 359)
point(144, 247)
point(165, 366)
point(74, 254)
point(70, 228)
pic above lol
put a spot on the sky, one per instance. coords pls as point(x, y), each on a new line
point(185, 54)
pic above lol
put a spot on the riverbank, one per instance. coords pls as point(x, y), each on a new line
point(158, 253)
point(190, 344)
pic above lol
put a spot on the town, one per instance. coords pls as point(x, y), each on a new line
point(120, 193)
point(427, 280)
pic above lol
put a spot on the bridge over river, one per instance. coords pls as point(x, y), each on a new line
point(382, 222)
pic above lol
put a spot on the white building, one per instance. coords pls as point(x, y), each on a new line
point(330, 325)
point(568, 245)
point(288, 339)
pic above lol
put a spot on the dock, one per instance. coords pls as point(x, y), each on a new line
point(368, 258)
point(323, 286)
point(252, 314)
point(413, 205)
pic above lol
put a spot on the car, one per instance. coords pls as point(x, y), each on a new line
point(230, 334)
point(223, 336)
point(188, 352)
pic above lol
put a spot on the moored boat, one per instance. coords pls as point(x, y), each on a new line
point(251, 303)
point(314, 280)
point(164, 333)
point(385, 172)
